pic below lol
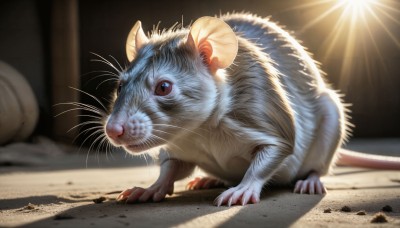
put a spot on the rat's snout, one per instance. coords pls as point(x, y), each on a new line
point(114, 130)
point(129, 129)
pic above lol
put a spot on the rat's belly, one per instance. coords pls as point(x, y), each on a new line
point(221, 155)
point(231, 171)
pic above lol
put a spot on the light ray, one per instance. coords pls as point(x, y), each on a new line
point(319, 18)
point(355, 30)
point(388, 32)
point(334, 35)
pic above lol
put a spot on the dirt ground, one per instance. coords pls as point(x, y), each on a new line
point(57, 188)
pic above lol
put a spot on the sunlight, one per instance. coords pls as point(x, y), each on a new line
point(216, 219)
point(357, 30)
point(358, 16)
point(356, 7)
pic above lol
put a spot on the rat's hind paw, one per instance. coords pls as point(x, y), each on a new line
point(204, 183)
point(155, 193)
point(241, 194)
point(311, 185)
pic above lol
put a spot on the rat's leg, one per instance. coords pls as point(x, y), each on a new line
point(171, 170)
point(204, 183)
point(262, 167)
point(329, 137)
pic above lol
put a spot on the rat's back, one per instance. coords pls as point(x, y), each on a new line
point(300, 78)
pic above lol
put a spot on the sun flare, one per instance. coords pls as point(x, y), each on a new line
point(357, 7)
point(356, 30)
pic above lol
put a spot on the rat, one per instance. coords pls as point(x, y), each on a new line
point(236, 96)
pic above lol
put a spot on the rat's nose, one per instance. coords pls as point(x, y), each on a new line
point(114, 130)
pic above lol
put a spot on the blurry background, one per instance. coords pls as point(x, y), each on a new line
point(49, 42)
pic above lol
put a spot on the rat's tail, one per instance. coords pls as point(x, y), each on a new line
point(352, 158)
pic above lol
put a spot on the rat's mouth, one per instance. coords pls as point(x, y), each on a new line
point(139, 147)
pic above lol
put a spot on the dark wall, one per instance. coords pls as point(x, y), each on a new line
point(24, 44)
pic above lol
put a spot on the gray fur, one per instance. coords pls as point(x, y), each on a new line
point(268, 117)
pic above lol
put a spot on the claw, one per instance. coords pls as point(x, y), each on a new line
point(311, 185)
point(135, 195)
point(242, 193)
point(229, 202)
point(245, 198)
point(218, 201)
point(124, 195)
point(155, 193)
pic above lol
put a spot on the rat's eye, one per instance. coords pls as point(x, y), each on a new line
point(163, 88)
point(119, 88)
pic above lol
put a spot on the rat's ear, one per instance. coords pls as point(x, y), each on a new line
point(215, 41)
point(136, 39)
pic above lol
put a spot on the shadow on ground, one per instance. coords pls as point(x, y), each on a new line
point(187, 208)
point(9, 204)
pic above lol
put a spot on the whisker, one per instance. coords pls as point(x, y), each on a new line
point(115, 60)
point(157, 130)
point(102, 75)
point(182, 128)
point(94, 142)
point(152, 143)
point(101, 71)
point(101, 144)
point(90, 136)
point(156, 118)
point(90, 95)
point(169, 143)
point(107, 80)
point(162, 131)
point(83, 109)
point(159, 117)
point(92, 116)
point(149, 143)
point(104, 60)
point(78, 104)
point(66, 111)
point(106, 145)
point(145, 159)
point(100, 128)
point(84, 124)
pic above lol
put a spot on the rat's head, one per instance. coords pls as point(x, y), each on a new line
point(170, 87)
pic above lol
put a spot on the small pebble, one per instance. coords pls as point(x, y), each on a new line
point(101, 199)
point(30, 206)
point(361, 213)
point(328, 210)
point(379, 218)
point(387, 208)
point(346, 209)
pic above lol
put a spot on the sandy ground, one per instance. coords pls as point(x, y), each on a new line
point(58, 191)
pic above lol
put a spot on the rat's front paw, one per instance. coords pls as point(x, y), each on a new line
point(155, 193)
point(241, 194)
